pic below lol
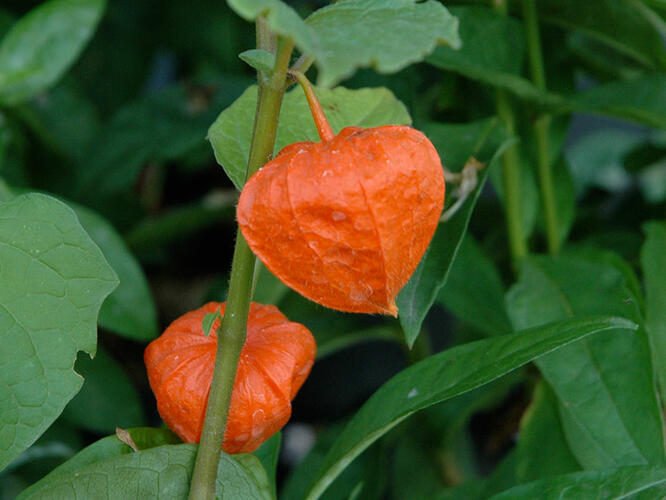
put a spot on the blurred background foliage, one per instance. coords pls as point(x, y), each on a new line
point(122, 138)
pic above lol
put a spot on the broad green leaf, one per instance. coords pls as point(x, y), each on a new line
point(231, 133)
point(418, 295)
point(337, 341)
point(653, 263)
point(129, 310)
point(107, 399)
point(565, 198)
point(43, 44)
point(269, 290)
point(642, 99)
point(618, 23)
point(352, 34)
point(161, 472)
point(591, 378)
point(623, 483)
point(474, 291)
point(385, 35)
point(540, 429)
point(259, 59)
point(444, 376)
point(108, 447)
point(53, 280)
point(414, 473)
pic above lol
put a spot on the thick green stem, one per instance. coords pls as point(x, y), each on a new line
point(541, 126)
point(232, 331)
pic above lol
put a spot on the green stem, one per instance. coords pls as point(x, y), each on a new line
point(541, 126)
point(511, 182)
point(232, 331)
point(510, 169)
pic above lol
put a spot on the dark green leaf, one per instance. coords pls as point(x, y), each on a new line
point(653, 263)
point(385, 35)
point(53, 281)
point(540, 429)
point(268, 454)
point(161, 472)
point(107, 399)
point(590, 378)
point(444, 376)
point(129, 310)
point(41, 46)
point(259, 59)
point(474, 291)
point(623, 483)
point(231, 133)
point(621, 24)
point(418, 295)
point(642, 99)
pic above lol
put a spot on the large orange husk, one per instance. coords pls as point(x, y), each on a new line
point(346, 221)
point(275, 361)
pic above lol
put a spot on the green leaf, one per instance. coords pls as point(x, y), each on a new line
point(107, 400)
point(613, 484)
point(42, 45)
point(540, 429)
point(620, 24)
point(418, 295)
point(352, 34)
point(208, 320)
point(231, 133)
point(642, 99)
point(268, 454)
point(269, 290)
point(53, 281)
point(259, 59)
point(653, 264)
point(596, 159)
point(474, 291)
point(281, 19)
point(163, 126)
point(590, 378)
point(444, 376)
point(129, 310)
point(160, 472)
point(385, 35)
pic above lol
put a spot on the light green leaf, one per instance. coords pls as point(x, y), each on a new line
point(618, 23)
point(129, 310)
point(653, 264)
point(474, 291)
point(591, 378)
point(352, 34)
point(418, 295)
point(107, 400)
point(259, 59)
point(208, 320)
point(42, 45)
point(160, 472)
point(387, 35)
point(281, 19)
point(53, 280)
point(623, 483)
point(444, 376)
point(231, 133)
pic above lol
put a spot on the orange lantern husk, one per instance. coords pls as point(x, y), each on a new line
point(275, 361)
point(345, 221)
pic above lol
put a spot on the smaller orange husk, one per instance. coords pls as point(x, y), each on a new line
point(274, 363)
